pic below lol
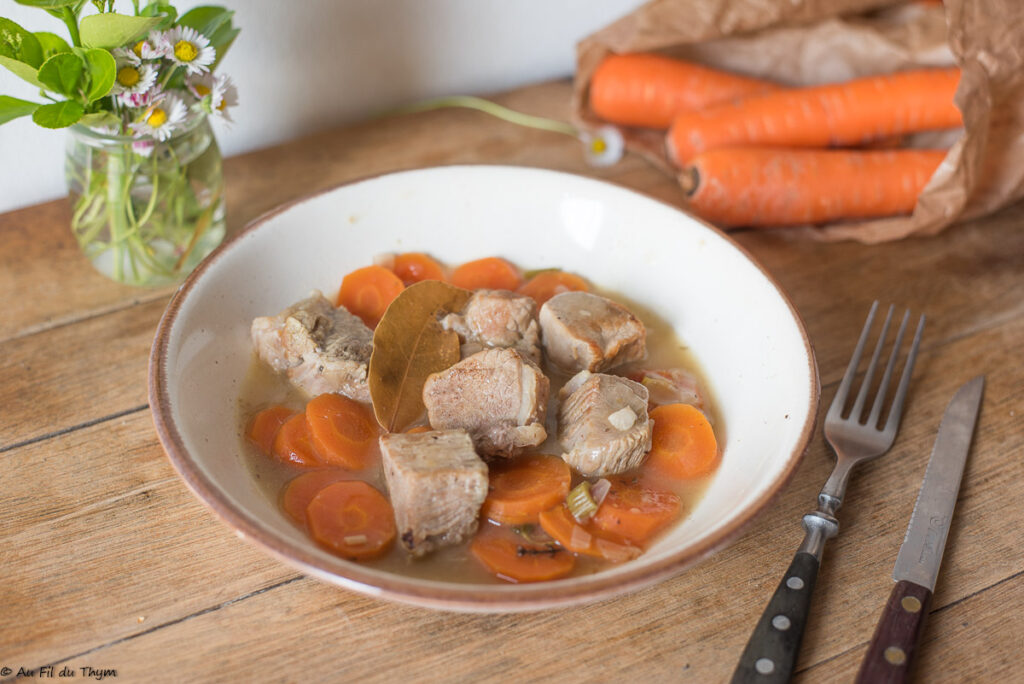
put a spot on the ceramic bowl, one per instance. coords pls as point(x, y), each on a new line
point(742, 329)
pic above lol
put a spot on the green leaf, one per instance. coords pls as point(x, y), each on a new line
point(65, 74)
point(161, 8)
point(222, 48)
point(58, 114)
point(23, 71)
point(52, 44)
point(114, 30)
point(101, 70)
point(206, 19)
point(17, 43)
point(97, 119)
point(48, 4)
point(12, 108)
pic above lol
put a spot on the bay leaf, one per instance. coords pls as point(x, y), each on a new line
point(408, 345)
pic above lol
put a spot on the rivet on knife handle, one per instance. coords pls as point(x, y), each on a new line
point(771, 653)
point(892, 648)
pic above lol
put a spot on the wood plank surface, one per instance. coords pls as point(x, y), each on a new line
point(109, 562)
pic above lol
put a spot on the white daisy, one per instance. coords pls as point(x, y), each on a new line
point(142, 99)
point(604, 145)
point(187, 47)
point(125, 55)
point(162, 118)
point(149, 47)
point(133, 78)
point(220, 90)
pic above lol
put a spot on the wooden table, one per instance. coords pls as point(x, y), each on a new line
point(108, 562)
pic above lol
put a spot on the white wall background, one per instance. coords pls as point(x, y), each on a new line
point(306, 65)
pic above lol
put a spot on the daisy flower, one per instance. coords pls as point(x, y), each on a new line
point(141, 99)
point(148, 48)
point(133, 78)
point(186, 47)
point(124, 55)
point(162, 118)
point(604, 145)
point(221, 91)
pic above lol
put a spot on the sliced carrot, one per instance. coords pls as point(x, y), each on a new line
point(650, 90)
point(418, 429)
point(588, 540)
point(837, 114)
point(683, 445)
point(633, 513)
point(352, 519)
point(300, 491)
point(264, 426)
point(412, 267)
point(491, 273)
point(343, 430)
point(367, 292)
point(294, 445)
point(519, 490)
point(756, 186)
point(547, 284)
point(513, 559)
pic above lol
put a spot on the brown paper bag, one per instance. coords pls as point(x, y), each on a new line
point(808, 42)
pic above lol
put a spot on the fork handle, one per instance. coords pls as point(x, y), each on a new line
point(771, 653)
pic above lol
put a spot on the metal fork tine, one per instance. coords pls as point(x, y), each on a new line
point(858, 406)
point(883, 386)
point(892, 422)
point(836, 409)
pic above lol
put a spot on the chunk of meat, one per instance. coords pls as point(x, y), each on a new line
point(603, 424)
point(437, 485)
point(319, 347)
point(670, 386)
point(497, 318)
point(498, 395)
point(584, 331)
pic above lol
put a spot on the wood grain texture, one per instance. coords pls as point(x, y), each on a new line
point(97, 532)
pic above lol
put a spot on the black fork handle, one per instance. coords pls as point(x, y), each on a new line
point(771, 653)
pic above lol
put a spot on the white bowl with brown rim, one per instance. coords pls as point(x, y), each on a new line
point(740, 326)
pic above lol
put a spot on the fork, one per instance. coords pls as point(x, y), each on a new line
point(772, 650)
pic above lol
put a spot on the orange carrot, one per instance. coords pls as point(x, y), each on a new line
point(293, 443)
point(519, 490)
point(343, 431)
point(412, 267)
point(632, 513)
point(650, 90)
point(491, 273)
point(367, 292)
point(547, 284)
point(300, 491)
point(263, 428)
point(683, 445)
point(352, 519)
point(417, 429)
point(837, 114)
point(775, 187)
point(513, 559)
point(586, 539)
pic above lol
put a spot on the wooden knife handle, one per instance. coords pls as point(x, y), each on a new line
point(775, 643)
point(899, 630)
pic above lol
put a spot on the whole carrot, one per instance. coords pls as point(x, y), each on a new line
point(650, 90)
point(821, 116)
point(752, 186)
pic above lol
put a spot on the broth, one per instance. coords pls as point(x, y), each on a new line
point(262, 387)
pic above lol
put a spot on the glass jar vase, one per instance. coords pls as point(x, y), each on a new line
point(146, 212)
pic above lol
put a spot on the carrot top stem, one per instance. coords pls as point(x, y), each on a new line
point(494, 109)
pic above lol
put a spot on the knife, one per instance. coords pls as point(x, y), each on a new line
point(893, 646)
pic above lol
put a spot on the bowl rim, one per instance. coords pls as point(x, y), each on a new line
point(451, 596)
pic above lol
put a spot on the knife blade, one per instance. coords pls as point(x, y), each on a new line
point(895, 640)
